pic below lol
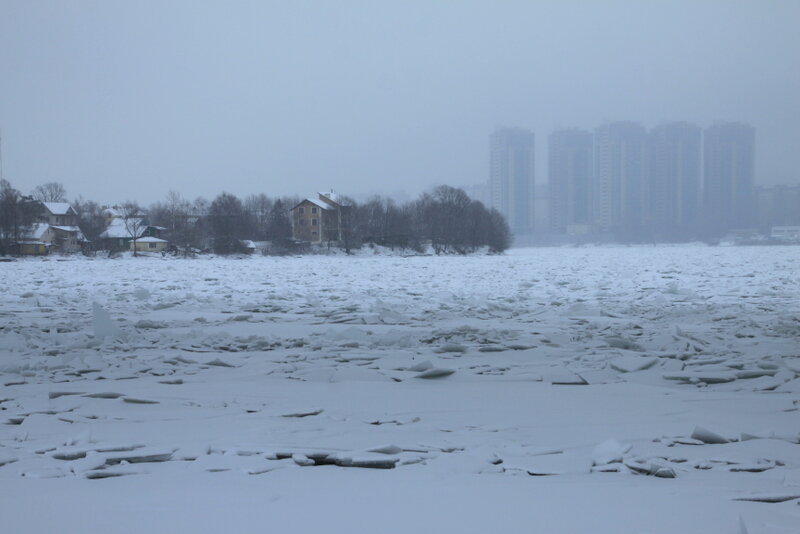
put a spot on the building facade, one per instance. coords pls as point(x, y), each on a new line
point(149, 244)
point(778, 205)
point(511, 177)
point(618, 187)
point(569, 174)
point(318, 220)
point(673, 181)
point(63, 234)
point(728, 174)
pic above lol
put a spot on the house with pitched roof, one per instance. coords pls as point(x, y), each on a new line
point(318, 220)
point(120, 234)
point(36, 241)
point(57, 231)
point(149, 244)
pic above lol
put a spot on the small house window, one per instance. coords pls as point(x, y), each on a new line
point(301, 210)
point(302, 222)
point(313, 222)
point(313, 210)
point(151, 245)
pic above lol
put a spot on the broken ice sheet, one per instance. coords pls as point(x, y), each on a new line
point(103, 325)
point(609, 451)
point(435, 372)
point(555, 464)
point(630, 364)
point(707, 436)
point(292, 359)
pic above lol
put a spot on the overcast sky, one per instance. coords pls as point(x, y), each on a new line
point(122, 100)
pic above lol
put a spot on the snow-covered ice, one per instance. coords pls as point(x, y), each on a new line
point(618, 389)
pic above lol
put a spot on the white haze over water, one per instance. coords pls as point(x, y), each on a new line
point(129, 100)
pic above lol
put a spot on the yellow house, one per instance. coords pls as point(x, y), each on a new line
point(149, 244)
point(36, 241)
point(32, 248)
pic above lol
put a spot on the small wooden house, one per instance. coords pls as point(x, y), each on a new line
point(119, 235)
point(149, 244)
point(36, 241)
point(32, 248)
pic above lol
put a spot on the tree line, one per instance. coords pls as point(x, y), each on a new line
point(445, 218)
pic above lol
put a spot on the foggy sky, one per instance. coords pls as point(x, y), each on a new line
point(123, 100)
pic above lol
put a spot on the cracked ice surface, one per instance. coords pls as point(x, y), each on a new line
point(625, 389)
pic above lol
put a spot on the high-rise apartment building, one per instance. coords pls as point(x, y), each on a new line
point(511, 177)
point(728, 174)
point(569, 172)
point(618, 188)
point(673, 181)
point(777, 205)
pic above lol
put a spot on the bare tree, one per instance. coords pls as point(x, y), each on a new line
point(499, 236)
point(258, 209)
point(133, 219)
point(349, 224)
point(17, 215)
point(279, 226)
point(199, 226)
point(180, 221)
point(174, 214)
point(50, 192)
point(454, 223)
point(9, 197)
point(385, 223)
point(226, 217)
point(90, 220)
point(450, 206)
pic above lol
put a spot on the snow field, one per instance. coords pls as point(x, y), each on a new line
point(627, 389)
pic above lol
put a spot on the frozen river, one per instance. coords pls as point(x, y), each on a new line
point(620, 390)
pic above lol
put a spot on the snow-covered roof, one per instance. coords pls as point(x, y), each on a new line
point(73, 230)
point(118, 230)
point(151, 240)
point(246, 243)
point(333, 197)
point(37, 231)
point(57, 208)
point(319, 203)
point(334, 201)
